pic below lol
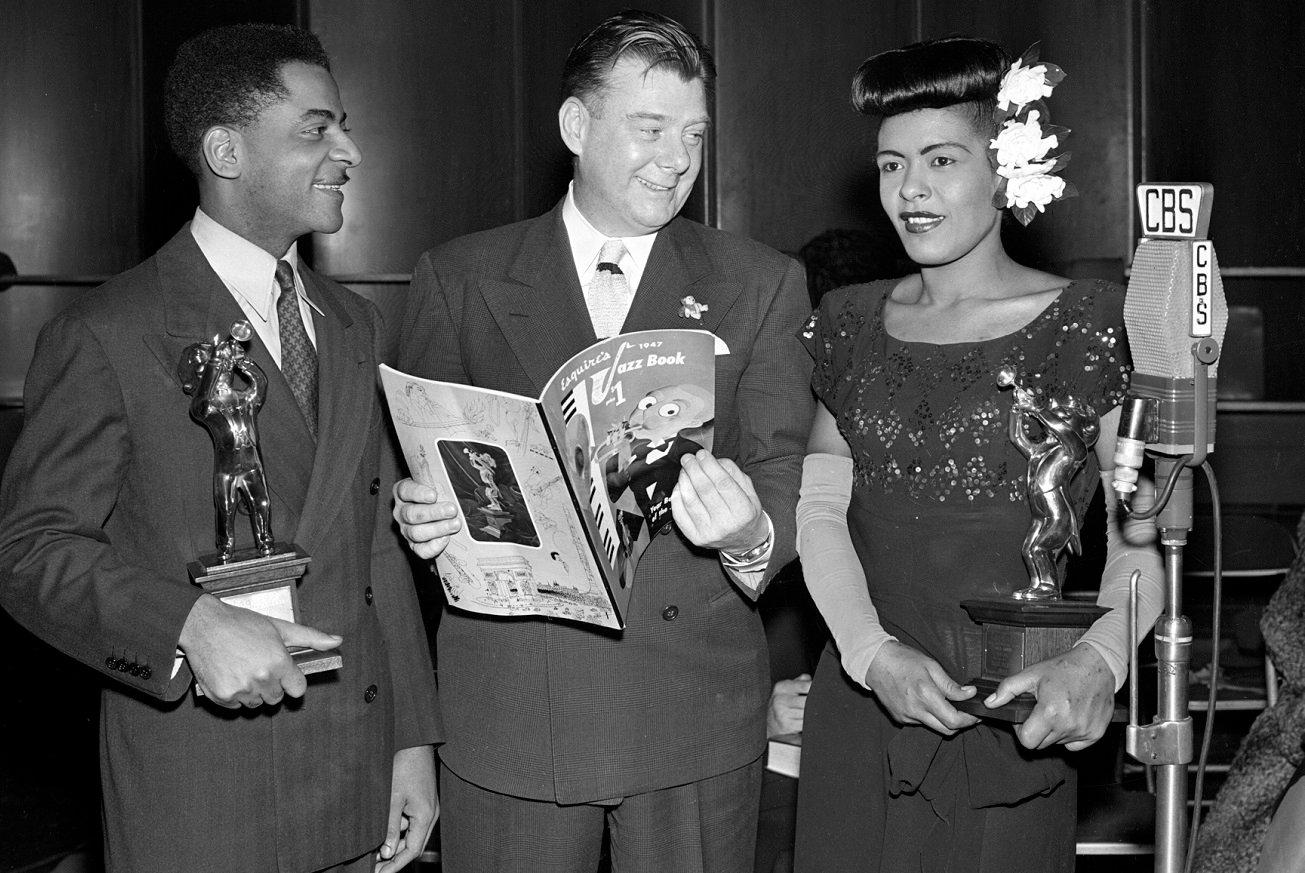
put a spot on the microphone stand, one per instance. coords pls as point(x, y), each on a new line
point(1166, 743)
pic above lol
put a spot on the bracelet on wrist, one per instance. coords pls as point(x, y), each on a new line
point(751, 554)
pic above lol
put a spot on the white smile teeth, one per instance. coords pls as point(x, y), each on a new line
point(651, 186)
point(329, 187)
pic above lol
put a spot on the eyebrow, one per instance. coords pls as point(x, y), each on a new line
point(927, 149)
point(657, 116)
point(324, 114)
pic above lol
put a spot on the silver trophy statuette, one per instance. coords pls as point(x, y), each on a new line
point(229, 412)
point(1057, 444)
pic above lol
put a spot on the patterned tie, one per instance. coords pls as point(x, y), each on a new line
point(298, 357)
point(609, 291)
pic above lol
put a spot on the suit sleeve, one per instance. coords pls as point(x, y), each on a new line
point(417, 719)
point(61, 576)
point(775, 409)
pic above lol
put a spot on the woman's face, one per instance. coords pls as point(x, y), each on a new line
point(936, 185)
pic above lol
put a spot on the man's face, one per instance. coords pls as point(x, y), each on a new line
point(638, 148)
point(295, 162)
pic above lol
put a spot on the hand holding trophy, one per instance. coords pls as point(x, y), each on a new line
point(227, 390)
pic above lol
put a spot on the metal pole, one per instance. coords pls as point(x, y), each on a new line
point(1173, 648)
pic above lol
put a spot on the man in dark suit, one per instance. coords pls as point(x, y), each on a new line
point(109, 494)
point(557, 731)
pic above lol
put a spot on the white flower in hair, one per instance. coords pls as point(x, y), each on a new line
point(1033, 187)
point(1022, 85)
point(1022, 142)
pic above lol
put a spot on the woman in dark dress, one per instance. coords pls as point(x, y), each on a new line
point(914, 495)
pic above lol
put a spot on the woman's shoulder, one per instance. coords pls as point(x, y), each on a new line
point(1100, 296)
point(864, 297)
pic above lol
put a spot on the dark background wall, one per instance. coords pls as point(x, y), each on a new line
point(454, 105)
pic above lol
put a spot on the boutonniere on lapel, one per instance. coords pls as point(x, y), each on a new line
point(691, 308)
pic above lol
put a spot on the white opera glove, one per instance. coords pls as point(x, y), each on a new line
point(1130, 546)
point(830, 565)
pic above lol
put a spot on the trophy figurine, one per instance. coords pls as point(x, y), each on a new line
point(1035, 622)
point(227, 390)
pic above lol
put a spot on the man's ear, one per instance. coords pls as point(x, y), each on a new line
point(573, 120)
point(221, 148)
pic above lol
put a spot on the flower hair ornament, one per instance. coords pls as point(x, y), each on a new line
point(1025, 140)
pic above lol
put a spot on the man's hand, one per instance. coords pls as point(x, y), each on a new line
point(788, 704)
point(715, 505)
point(915, 689)
point(425, 521)
point(414, 808)
point(1076, 696)
point(239, 656)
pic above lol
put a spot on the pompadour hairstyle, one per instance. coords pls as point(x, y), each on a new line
point(228, 75)
point(658, 41)
point(935, 74)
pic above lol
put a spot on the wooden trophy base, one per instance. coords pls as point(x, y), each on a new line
point(265, 584)
point(1018, 634)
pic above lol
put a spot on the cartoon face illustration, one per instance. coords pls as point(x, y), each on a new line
point(664, 412)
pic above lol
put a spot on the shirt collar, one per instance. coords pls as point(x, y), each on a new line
point(248, 271)
point(587, 241)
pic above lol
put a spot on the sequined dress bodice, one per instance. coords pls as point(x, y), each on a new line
point(938, 509)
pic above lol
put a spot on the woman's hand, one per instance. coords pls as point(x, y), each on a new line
point(1076, 697)
point(915, 689)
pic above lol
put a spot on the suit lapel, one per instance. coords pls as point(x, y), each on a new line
point(679, 266)
point(197, 306)
point(346, 388)
point(541, 310)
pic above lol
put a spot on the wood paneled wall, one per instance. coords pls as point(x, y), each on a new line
point(70, 168)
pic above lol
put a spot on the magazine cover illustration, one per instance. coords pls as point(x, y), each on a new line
point(560, 496)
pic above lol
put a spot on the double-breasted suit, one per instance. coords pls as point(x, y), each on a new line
point(108, 496)
point(554, 711)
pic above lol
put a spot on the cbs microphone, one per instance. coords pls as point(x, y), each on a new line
point(1175, 314)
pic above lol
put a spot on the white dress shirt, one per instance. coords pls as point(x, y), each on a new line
point(250, 275)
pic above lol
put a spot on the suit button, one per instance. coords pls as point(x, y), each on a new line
point(370, 694)
point(111, 662)
point(135, 669)
point(124, 665)
point(375, 487)
point(146, 672)
point(666, 530)
point(670, 612)
point(367, 594)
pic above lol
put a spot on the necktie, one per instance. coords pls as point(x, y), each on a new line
point(298, 357)
point(609, 291)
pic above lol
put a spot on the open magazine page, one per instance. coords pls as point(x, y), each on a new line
point(522, 549)
point(623, 413)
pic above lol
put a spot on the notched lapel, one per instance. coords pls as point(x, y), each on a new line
point(347, 398)
point(540, 309)
point(197, 305)
point(679, 266)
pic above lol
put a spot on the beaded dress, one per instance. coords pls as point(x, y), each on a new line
point(937, 516)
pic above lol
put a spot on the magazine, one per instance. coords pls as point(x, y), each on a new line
point(560, 495)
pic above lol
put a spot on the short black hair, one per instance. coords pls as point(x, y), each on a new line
point(934, 74)
point(656, 40)
point(228, 75)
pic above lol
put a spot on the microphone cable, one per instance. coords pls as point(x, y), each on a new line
point(1198, 782)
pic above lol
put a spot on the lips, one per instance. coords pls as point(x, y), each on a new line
point(653, 186)
point(332, 186)
point(920, 222)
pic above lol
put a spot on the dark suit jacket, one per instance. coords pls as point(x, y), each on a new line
point(558, 711)
point(108, 495)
